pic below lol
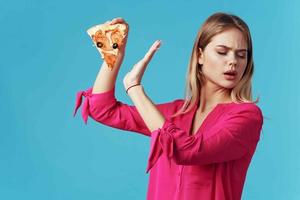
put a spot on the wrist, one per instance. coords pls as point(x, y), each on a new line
point(133, 89)
point(119, 59)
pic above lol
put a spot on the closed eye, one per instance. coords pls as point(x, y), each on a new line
point(241, 55)
point(222, 53)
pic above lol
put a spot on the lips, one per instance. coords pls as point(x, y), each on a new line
point(230, 75)
point(231, 72)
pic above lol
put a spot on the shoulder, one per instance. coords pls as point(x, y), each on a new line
point(252, 107)
point(248, 110)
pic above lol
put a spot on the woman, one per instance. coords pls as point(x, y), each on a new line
point(201, 146)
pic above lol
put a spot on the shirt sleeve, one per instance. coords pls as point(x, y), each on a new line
point(106, 109)
point(230, 139)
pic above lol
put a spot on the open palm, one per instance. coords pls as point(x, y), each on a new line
point(134, 76)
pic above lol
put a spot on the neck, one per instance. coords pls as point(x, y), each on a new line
point(211, 95)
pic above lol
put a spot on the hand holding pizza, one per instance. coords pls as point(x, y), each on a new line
point(110, 39)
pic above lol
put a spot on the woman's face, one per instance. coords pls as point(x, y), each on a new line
point(226, 51)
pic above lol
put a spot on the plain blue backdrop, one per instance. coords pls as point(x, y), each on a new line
point(47, 57)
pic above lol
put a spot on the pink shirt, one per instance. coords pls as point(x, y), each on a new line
point(210, 165)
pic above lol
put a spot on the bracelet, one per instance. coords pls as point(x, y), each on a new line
point(131, 87)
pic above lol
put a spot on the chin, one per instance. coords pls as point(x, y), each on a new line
point(228, 85)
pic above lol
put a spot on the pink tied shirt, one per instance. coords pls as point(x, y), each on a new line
point(212, 164)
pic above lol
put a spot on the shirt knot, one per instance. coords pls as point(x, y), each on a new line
point(162, 142)
point(85, 108)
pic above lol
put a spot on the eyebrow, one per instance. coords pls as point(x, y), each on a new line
point(226, 47)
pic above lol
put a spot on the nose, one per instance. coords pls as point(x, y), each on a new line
point(233, 59)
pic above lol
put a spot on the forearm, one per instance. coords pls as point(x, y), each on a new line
point(106, 78)
point(152, 117)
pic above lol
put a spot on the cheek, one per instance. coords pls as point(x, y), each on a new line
point(214, 61)
point(242, 67)
point(213, 68)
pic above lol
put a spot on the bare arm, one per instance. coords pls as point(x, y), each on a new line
point(106, 77)
point(153, 118)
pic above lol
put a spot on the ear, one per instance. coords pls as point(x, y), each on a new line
point(200, 58)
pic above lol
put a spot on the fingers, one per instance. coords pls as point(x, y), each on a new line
point(139, 68)
point(115, 21)
point(118, 20)
point(155, 46)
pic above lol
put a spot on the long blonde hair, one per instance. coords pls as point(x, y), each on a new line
point(214, 25)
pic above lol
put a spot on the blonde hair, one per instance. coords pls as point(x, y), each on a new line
point(214, 25)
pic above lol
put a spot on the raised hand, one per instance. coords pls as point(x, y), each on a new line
point(135, 75)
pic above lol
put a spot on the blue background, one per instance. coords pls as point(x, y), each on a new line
point(47, 56)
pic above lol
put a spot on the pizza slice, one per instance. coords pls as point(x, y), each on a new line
point(108, 39)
